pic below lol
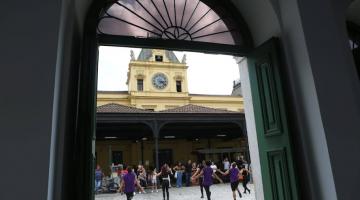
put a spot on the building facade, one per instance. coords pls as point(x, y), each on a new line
point(157, 83)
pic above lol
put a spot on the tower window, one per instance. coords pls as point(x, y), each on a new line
point(158, 58)
point(178, 86)
point(140, 85)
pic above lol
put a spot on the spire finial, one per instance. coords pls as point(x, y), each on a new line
point(132, 55)
point(183, 61)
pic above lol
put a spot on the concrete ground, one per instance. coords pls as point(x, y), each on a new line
point(218, 192)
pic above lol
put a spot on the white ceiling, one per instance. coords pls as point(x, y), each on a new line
point(260, 18)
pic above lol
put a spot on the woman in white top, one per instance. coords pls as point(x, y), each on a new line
point(226, 164)
point(214, 168)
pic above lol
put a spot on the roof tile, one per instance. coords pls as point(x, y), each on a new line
point(190, 108)
point(117, 108)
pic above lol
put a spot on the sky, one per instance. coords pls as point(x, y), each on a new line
point(207, 73)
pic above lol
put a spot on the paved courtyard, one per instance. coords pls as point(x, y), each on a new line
point(218, 192)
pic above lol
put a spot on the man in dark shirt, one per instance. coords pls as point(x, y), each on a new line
point(188, 169)
point(240, 161)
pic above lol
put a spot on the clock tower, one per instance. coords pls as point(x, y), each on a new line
point(157, 73)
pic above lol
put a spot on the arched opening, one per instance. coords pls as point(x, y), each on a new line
point(204, 26)
point(87, 106)
point(207, 141)
point(114, 140)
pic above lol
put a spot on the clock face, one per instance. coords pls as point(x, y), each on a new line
point(159, 81)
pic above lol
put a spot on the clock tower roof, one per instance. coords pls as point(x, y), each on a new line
point(147, 54)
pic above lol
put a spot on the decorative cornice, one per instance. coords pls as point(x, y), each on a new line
point(140, 76)
point(179, 77)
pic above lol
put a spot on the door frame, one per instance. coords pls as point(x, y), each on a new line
point(85, 100)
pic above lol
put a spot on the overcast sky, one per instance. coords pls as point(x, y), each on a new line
point(207, 73)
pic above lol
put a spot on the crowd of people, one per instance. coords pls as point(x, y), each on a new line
point(204, 174)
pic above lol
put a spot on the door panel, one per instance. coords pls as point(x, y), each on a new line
point(279, 179)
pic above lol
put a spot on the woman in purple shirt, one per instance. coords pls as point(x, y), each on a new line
point(128, 183)
point(234, 178)
point(207, 172)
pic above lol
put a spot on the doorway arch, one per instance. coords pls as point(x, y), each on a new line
point(205, 26)
point(86, 106)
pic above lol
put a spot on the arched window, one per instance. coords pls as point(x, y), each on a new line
point(175, 20)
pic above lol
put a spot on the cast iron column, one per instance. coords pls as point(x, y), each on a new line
point(142, 151)
point(157, 152)
point(156, 136)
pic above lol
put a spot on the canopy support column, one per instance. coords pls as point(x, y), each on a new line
point(156, 133)
point(157, 153)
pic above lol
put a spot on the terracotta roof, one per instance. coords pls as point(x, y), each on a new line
point(113, 92)
point(117, 108)
point(190, 108)
point(215, 95)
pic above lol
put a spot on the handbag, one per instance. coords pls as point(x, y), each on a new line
point(241, 177)
point(176, 174)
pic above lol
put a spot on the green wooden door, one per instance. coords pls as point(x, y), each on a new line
point(277, 166)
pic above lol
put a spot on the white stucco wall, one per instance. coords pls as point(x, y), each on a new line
point(251, 128)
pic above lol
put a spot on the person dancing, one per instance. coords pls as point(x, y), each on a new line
point(234, 178)
point(199, 168)
point(246, 178)
point(164, 175)
point(128, 184)
point(207, 172)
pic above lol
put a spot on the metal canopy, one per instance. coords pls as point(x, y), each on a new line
point(181, 125)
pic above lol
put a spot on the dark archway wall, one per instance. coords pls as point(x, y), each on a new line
point(38, 38)
point(324, 79)
point(28, 54)
point(31, 33)
point(322, 86)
